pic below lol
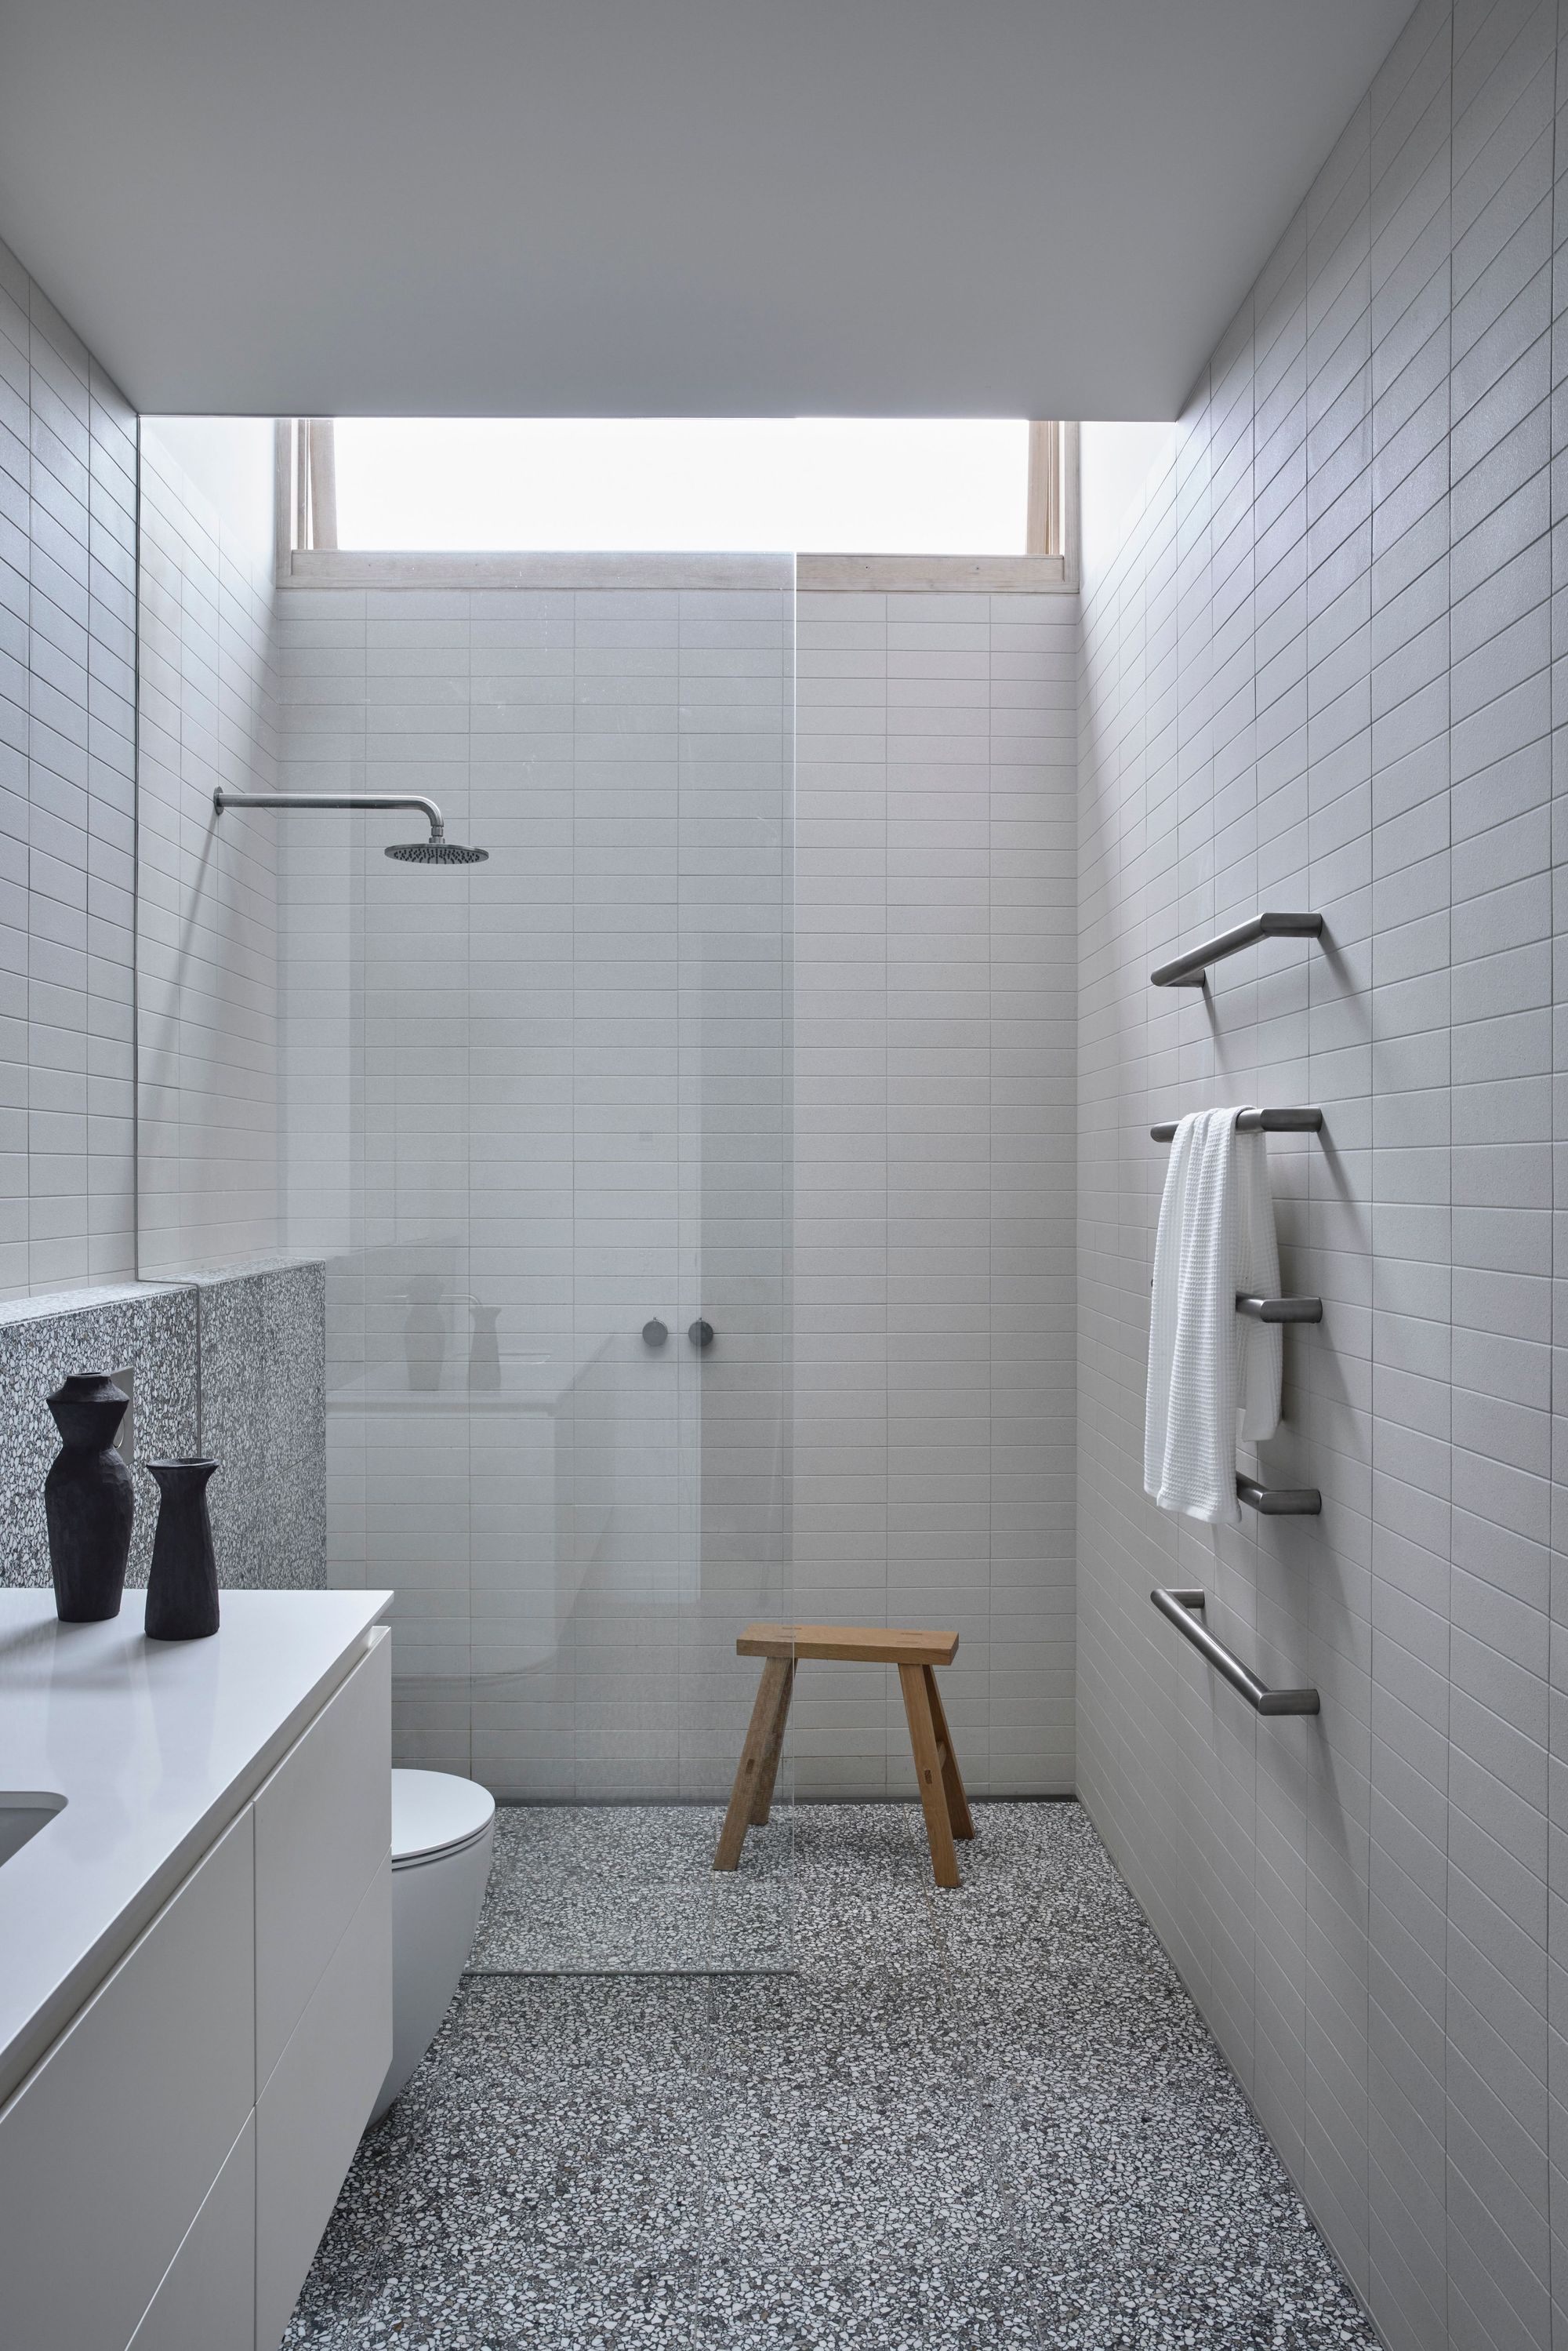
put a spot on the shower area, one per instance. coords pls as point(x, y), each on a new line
point(680, 1186)
point(532, 1112)
point(535, 1116)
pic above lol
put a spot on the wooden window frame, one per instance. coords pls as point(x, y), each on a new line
point(310, 556)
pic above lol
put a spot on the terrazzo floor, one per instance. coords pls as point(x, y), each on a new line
point(960, 2122)
point(631, 1889)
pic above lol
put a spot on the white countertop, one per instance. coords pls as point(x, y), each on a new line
point(156, 1746)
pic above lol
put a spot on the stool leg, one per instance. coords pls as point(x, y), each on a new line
point(732, 1837)
point(951, 1779)
point(767, 1771)
point(928, 1771)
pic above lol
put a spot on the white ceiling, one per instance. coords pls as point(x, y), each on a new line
point(678, 207)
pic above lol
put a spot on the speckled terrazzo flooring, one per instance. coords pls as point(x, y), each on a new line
point(989, 2119)
point(631, 1889)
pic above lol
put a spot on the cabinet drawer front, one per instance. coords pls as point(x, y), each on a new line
point(207, 2299)
point(323, 1828)
point(310, 2115)
point(109, 2148)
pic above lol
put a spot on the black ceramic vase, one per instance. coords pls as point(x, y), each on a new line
point(90, 1499)
point(183, 1580)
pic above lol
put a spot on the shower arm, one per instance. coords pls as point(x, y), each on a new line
point(221, 799)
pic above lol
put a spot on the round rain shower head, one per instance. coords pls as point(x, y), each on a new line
point(436, 853)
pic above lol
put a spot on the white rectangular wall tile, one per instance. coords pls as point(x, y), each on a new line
point(933, 1178)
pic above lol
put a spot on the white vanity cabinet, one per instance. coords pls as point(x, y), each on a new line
point(207, 2297)
point(168, 2164)
point(323, 1974)
point(108, 2149)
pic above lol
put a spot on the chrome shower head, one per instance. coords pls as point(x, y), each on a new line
point(436, 851)
point(439, 852)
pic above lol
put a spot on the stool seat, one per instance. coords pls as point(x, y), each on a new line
point(864, 1645)
point(781, 1648)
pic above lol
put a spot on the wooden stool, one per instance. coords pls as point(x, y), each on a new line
point(781, 1647)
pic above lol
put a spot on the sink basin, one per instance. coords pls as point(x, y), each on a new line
point(23, 1814)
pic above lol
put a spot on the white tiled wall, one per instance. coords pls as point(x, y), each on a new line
point(1318, 673)
point(70, 738)
point(67, 844)
point(935, 1054)
point(207, 941)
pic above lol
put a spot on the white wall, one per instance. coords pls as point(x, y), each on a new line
point(207, 950)
point(935, 1049)
point(1317, 672)
point(67, 818)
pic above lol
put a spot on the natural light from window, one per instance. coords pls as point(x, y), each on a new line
point(822, 485)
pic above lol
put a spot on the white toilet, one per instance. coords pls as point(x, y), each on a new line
point(442, 1829)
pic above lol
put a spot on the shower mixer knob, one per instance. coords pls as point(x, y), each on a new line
point(655, 1332)
point(701, 1334)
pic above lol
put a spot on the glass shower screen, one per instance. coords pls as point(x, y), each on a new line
point(537, 1116)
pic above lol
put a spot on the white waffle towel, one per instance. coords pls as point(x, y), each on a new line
point(1214, 1374)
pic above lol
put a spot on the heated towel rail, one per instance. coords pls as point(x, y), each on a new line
point(1180, 1603)
point(1256, 1121)
point(1191, 970)
point(1279, 1501)
point(1281, 1310)
point(1272, 1501)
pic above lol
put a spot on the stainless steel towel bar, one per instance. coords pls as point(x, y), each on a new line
point(1276, 1309)
point(1190, 970)
point(1281, 1310)
point(1180, 1603)
point(1256, 1121)
point(1279, 1501)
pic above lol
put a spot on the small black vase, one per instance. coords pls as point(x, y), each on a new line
point(183, 1580)
point(90, 1499)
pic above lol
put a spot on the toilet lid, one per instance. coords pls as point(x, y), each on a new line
point(433, 1810)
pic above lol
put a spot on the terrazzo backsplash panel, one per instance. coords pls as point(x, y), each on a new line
point(294, 1350)
point(230, 1363)
point(264, 1418)
point(146, 1327)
